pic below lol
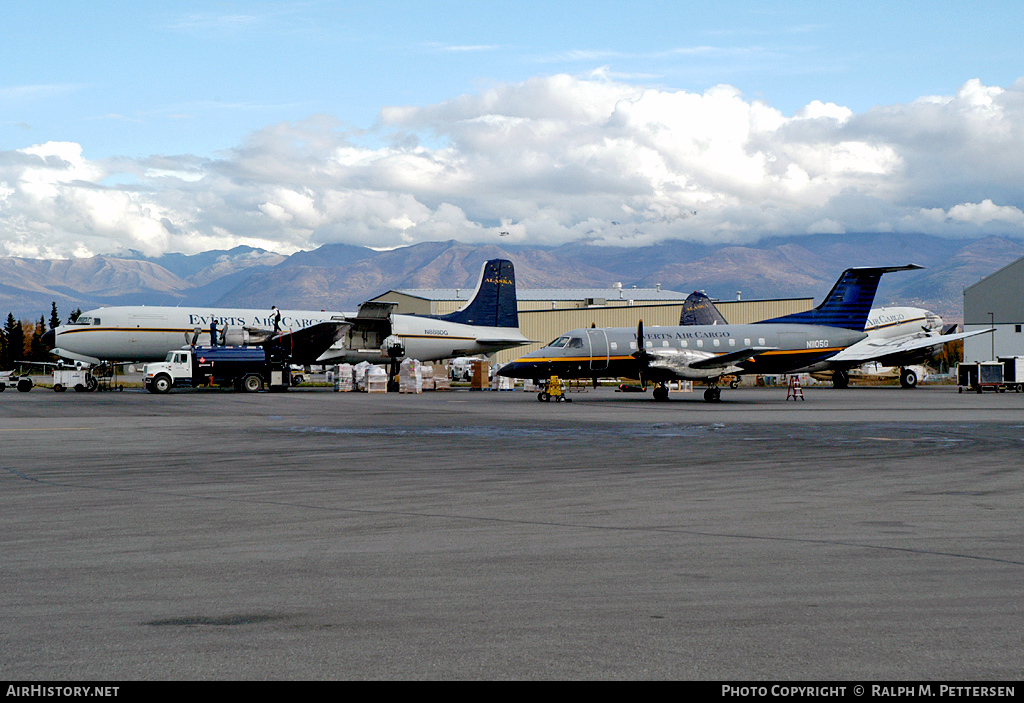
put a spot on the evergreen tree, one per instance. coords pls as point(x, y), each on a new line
point(37, 351)
point(54, 317)
point(75, 314)
point(14, 342)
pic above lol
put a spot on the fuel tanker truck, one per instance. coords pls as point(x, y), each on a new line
point(243, 368)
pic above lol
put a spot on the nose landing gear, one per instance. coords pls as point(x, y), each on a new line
point(713, 394)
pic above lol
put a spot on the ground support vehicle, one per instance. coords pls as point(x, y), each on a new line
point(249, 369)
point(1013, 372)
point(1006, 374)
point(554, 389)
point(22, 383)
point(76, 377)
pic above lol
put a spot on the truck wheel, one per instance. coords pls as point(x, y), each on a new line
point(252, 384)
point(25, 385)
point(3, 387)
point(161, 384)
point(57, 388)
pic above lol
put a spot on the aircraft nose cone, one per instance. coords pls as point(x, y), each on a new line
point(49, 339)
point(509, 369)
point(521, 368)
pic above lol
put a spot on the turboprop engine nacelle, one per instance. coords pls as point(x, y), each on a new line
point(245, 336)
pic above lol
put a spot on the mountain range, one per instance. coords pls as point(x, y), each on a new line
point(340, 276)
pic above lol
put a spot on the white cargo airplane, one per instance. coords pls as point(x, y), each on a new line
point(488, 323)
point(896, 336)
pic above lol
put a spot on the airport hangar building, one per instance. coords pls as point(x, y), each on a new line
point(996, 301)
point(544, 314)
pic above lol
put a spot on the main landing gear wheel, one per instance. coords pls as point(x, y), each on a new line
point(713, 395)
point(661, 393)
point(908, 378)
point(840, 379)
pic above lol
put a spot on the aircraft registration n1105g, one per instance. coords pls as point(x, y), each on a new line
point(489, 322)
point(708, 352)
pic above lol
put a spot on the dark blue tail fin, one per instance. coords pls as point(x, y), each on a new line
point(699, 310)
point(494, 303)
point(849, 302)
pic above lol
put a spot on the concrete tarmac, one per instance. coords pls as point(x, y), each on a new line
point(871, 534)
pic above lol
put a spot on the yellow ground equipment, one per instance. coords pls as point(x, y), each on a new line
point(554, 389)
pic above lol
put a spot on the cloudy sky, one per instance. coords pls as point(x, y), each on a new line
point(189, 126)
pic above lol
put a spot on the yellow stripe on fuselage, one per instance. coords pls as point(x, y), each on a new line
point(776, 352)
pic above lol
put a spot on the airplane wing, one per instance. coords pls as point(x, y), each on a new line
point(65, 354)
point(909, 348)
point(693, 365)
point(730, 358)
point(503, 342)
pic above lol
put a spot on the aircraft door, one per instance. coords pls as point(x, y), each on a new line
point(598, 340)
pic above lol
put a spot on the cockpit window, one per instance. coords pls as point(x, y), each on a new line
point(560, 342)
point(83, 320)
point(575, 343)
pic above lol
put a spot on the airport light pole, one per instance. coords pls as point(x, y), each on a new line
point(992, 324)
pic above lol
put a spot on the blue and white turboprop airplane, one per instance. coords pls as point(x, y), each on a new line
point(897, 336)
point(707, 352)
point(488, 323)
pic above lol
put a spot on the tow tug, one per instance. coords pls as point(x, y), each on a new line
point(554, 389)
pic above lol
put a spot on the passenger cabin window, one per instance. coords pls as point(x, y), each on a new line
point(700, 342)
point(760, 340)
point(732, 342)
point(615, 346)
point(715, 342)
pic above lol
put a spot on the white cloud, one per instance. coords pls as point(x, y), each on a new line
point(986, 212)
point(550, 159)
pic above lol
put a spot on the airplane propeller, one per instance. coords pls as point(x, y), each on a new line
point(641, 354)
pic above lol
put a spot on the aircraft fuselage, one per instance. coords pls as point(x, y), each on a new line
point(609, 352)
point(147, 333)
